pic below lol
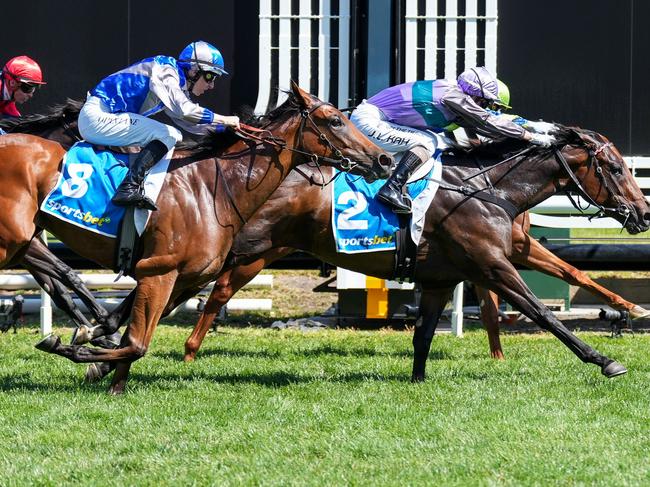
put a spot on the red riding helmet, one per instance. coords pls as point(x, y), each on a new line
point(24, 69)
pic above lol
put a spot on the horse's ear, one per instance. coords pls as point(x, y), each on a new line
point(302, 96)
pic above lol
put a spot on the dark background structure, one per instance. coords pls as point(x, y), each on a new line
point(580, 62)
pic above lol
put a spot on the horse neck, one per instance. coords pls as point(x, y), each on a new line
point(56, 133)
point(526, 183)
point(255, 174)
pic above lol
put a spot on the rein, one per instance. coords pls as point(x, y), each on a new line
point(255, 134)
point(266, 137)
point(70, 131)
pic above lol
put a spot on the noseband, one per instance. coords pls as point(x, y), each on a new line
point(622, 210)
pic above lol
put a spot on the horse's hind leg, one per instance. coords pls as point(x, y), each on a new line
point(537, 257)
point(506, 282)
point(432, 304)
point(488, 303)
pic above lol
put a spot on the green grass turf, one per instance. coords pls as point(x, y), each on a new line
point(263, 407)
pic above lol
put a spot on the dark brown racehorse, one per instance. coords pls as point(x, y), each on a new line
point(279, 220)
point(209, 193)
point(465, 238)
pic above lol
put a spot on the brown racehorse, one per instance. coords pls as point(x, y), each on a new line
point(209, 193)
point(53, 275)
point(280, 218)
point(464, 238)
point(526, 251)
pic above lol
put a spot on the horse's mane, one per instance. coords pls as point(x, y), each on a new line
point(214, 143)
point(39, 122)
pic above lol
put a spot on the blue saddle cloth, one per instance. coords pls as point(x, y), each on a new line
point(88, 181)
point(361, 223)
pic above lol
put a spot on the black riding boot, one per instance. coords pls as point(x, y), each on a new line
point(130, 192)
point(393, 192)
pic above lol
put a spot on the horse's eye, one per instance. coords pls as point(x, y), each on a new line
point(336, 121)
point(616, 170)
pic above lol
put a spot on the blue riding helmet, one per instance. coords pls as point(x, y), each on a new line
point(202, 55)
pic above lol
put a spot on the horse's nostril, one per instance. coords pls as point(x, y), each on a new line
point(646, 217)
point(385, 160)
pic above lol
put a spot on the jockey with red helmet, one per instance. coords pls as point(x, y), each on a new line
point(407, 119)
point(18, 82)
point(117, 109)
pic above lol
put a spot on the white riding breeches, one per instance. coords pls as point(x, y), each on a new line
point(391, 137)
point(98, 125)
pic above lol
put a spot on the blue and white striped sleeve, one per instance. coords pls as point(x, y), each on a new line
point(165, 84)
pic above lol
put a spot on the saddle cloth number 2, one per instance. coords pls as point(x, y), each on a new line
point(359, 204)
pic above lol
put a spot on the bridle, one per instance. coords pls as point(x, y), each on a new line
point(264, 136)
point(621, 210)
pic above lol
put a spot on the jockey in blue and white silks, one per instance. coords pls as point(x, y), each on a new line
point(401, 119)
point(117, 109)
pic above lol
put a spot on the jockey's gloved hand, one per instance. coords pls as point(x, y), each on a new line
point(541, 127)
point(232, 121)
point(544, 140)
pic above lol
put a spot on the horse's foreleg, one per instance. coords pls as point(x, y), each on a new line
point(537, 257)
point(152, 293)
point(226, 286)
point(504, 280)
point(219, 296)
point(489, 304)
point(432, 304)
point(110, 325)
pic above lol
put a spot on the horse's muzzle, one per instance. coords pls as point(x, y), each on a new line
point(635, 220)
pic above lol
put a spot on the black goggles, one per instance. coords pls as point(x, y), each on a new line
point(27, 88)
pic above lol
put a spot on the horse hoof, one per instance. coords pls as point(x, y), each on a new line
point(116, 390)
point(93, 374)
point(417, 378)
point(81, 335)
point(48, 343)
point(613, 369)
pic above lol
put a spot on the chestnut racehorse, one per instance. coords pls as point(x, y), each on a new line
point(209, 193)
point(53, 275)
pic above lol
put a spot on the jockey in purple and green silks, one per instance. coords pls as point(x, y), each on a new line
point(467, 139)
point(399, 119)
